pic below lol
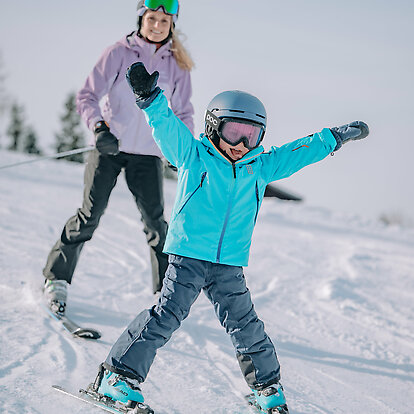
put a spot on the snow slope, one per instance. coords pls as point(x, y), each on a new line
point(335, 291)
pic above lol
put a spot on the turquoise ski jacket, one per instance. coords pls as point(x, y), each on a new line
point(217, 201)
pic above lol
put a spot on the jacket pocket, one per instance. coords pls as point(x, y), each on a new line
point(203, 176)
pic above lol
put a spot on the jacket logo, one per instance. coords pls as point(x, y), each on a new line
point(300, 147)
point(249, 169)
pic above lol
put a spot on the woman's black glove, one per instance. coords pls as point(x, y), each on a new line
point(106, 142)
point(349, 132)
point(142, 84)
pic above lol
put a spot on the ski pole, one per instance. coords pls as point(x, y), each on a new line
point(49, 157)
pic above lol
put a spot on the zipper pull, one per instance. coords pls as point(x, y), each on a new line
point(202, 179)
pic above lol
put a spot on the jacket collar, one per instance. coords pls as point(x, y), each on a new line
point(138, 44)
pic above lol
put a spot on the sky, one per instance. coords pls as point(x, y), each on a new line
point(313, 64)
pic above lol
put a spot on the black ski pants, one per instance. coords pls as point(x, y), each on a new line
point(144, 177)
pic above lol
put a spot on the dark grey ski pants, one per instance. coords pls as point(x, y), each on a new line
point(225, 286)
point(143, 174)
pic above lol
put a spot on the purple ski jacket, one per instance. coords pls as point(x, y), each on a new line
point(106, 94)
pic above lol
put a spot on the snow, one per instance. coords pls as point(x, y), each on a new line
point(335, 291)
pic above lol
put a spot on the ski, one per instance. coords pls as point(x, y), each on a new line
point(251, 400)
point(105, 403)
point(72, 327)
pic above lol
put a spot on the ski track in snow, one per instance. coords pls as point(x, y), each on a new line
point(335, 291)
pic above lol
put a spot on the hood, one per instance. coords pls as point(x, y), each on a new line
point(139, 45)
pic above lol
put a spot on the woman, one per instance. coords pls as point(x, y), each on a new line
point(124, 140)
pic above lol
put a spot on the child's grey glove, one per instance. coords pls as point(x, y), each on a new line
point(106, 142)
point(142, 84)
point(349, 132)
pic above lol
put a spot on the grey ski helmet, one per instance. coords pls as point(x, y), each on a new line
point(237, 105)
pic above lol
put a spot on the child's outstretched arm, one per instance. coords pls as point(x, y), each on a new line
point(170, 133)
point(290, 158)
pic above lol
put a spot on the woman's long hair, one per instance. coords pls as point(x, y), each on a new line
point(180, 53)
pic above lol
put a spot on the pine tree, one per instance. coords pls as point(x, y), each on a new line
point(16, 127)
point(2, 87)
point(4, 98)
point(71, 135)
point(30, 142)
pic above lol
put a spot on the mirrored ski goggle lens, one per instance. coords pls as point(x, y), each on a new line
point(169, 6)
point(235, 132)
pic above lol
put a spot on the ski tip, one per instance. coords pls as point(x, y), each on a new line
point(86, 333)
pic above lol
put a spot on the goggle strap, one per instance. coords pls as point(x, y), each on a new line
point(212, 120)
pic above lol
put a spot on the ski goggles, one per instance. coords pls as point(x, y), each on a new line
point(168, 6)
point(234, 131)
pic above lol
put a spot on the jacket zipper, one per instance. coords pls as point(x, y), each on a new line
point(226, 220)
point(203, 176)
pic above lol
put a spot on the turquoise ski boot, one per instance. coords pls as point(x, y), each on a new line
point(117, 390)
point(120, 388)
point(270, 400)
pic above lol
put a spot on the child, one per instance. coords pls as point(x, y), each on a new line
point(221, 182)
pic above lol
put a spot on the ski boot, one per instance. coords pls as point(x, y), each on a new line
point(270, 400)
point(118, 391)
point(55, 292)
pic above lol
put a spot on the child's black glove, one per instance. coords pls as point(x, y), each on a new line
point(142, 84)
point(349, 132)
point(106, 142)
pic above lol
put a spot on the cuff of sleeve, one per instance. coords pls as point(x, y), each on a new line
point(337, 138)
point(92, 122)
point(145, 103)
point(329, 138)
